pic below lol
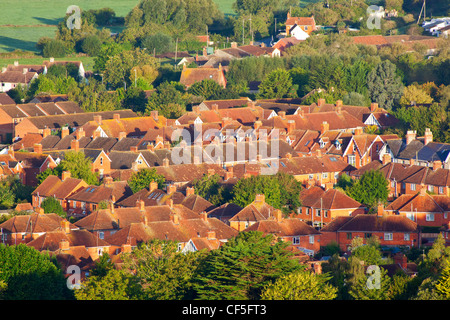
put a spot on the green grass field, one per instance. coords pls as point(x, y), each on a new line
point(23, 22)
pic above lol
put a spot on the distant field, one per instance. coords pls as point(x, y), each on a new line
point(88, 62)
point(23, 22)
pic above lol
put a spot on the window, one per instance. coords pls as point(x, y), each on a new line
point(367, 235)
point(325, 213)
point(430, 188)
point(413, 187)
point(392, 184)
point(406, 237)
point(410, 216)
point(441, 190)
point(101, 161)
point(349, 236)
point(352, 160)
point(311, 239)
point(429, 217)
point(296, 240)
point(388, 236)
point(325, 175)
point(311, 176)
point(101, 235)
point(317, 212)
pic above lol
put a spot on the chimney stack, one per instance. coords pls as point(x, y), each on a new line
point(260, 198)
point(166, 162)
point(211, 235)
point(171, 188)
point(153, 186)
point(116, 116)
point(321, 102)
point(141, 205)
point(64, 245)
point(373, 106)
point(437, 165)
point(204, 216)
point(65, 226)
point(79, 133)
point(324, 127)
point(38, 148)
point(380, 210)
point(46, 132)
point(290, 126)
point(75, 145)
point(386, 158)
point(65, 175)
point(98, 119)
point(64, 132)
point(229, 173)
point(278, 215)
point(410, 136)
point(189, 191)
point(428, 136)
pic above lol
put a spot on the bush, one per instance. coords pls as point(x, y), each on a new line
point(91, 45)
point(54, 48)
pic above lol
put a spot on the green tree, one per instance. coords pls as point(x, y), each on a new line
point(384, 85)
point(242, 267)
point(7, 196)
point(370, 253)
point(443, 284)
point(277, 84)
point(210, 90)
point(91, 45)
point(118, 67)
point(362, 291)
point(414, 95)
point(80, 167)
point(158, 43)
point(210, 188)
point(245, 190)
point(141, 179)
point(30, 275)
point(114, 285)
point(281, 191)
point(300, 285)
point(161, 271)
point(54, 48)
point(52, 205)
point(371, 189)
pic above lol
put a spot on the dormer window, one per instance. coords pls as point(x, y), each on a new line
point(337, 145)
point(322, 144)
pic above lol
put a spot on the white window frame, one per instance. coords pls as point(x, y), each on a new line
point(296, 240)
point(388, 236)
point(429, 217)
point(311, 239)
